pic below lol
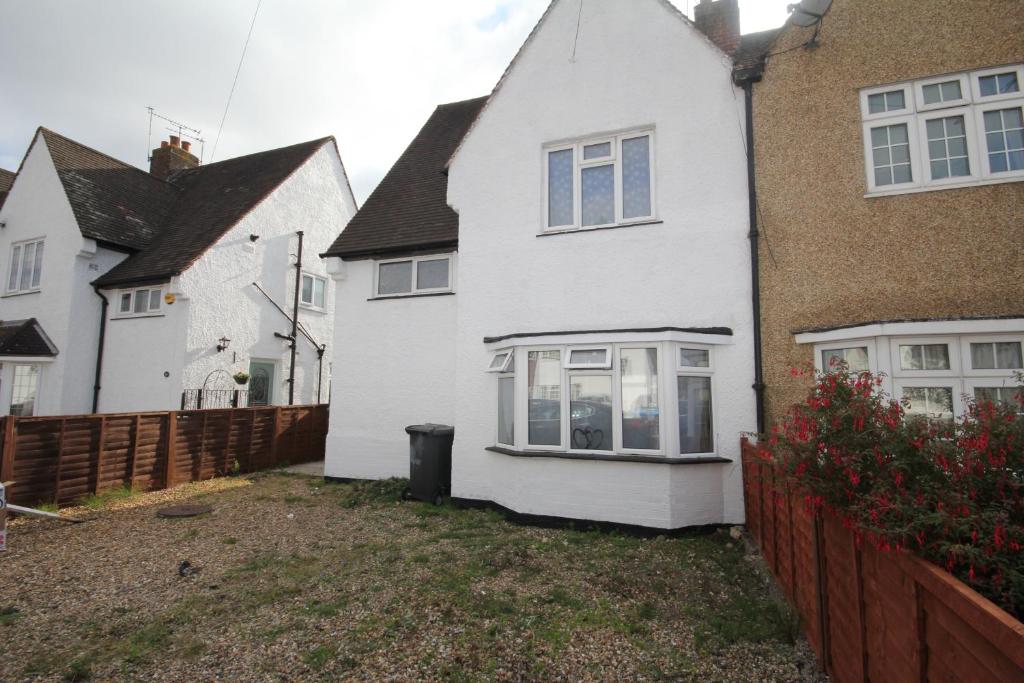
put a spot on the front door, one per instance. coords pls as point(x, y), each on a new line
point(261, 383)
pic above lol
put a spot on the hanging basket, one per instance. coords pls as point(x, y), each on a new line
point(240, 377)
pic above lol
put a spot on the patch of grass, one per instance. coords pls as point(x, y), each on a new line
point(78, 670)
point(8, 615)
point(230, 540)
point(152, 637)
point(326, 609)
point(48, 507)
point(319, 656)
point(367, 493)
point(293, 499)
point(560, 596)
point(191, 535)
point(99, 501)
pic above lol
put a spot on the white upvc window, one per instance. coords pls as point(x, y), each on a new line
point(141, 301)
point(858, 354)
point(607, 399)
point(313, 291)
point(25, 389)
point(25, 270)
point(945, 131)
point(599, 182)
point(413, 275)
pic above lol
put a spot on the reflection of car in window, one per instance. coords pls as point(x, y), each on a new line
point(545, 421)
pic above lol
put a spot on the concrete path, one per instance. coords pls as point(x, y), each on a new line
point(314, 469)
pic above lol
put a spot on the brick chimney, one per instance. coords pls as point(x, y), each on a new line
point(720, 21)
point(170, 157)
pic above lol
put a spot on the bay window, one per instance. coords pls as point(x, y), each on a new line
point(599, 182)
point(26, 267)
point(606, 399)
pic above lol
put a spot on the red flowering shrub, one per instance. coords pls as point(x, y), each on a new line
point(950, 492)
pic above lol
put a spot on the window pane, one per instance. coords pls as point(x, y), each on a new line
point(588, 357)
point(24, 390)
point(695, 423)
point(545, 398)
point(891, 153)
point(996, 394)
point(987, 85)
point(947, 147)
point(924, 357)
point(856, 358)
point(932, 94)
point(694, 358)
point(1007, 83)
point(506, 410)
point(876, 103)
point(636, 177)
point(894, 100)
point(498, 361)
point(998, 84)
point(432, 274)
point(126, 302)
point(598, 192)
point(560, 197)
point(394, 278)
point(12, 283)
point(598, 151)
point(639, 368)
point(318, 292)
point(930, 402)
point(590, 411)
point(996, 356)
point(27, 259)
point(154, 299)
point(306, 295)
point(1005, 139)
point(141, 300)
point(951, 91)
point(37, 266)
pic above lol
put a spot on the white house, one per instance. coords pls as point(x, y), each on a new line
point(595, 352)
point(133, 289)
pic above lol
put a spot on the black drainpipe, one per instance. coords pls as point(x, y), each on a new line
point(295, 323)
point(320, 370)
point(755, 280)
point(99, 350)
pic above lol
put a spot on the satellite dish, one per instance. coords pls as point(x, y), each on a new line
point(808, 12)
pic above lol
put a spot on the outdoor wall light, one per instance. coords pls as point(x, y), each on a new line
point(223, 346)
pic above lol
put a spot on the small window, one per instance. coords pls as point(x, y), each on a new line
point(855, 357)
point(582, 359)
point(998, 84)
point(418, 275)
point(1007, 395)
point(25, 390)
point(138, 302)
point(894, 100)
point(1004, 139)
point(996, 356)
point(502, 362)
point(26, 267)
point(946, 91)
point(126, 303)
point(924, 357)
point(890, 149)
point(932, 403)
point(312, 291)
point(694, 358)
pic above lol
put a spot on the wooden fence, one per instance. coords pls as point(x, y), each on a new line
point(63, 458)
point(871, 615)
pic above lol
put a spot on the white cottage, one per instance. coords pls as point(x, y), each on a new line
point(130, 291)
point(594, 344)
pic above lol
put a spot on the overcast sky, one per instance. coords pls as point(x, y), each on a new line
point(368, 72)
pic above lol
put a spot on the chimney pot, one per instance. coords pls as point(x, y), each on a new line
point(186, 145)
point(175, 141)
point(170, 157)
point(720, 21)
point(163, 143)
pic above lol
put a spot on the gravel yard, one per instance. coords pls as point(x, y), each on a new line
point(298, 580)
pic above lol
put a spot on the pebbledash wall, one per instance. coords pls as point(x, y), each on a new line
point(214, 298)
point(398, 369)
point(637, 65)
point(837, 257)
point(65, 305)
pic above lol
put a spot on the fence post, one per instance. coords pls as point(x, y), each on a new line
point(183, 399)
point(199, 399)
point(60, 460)
point(858, 568)
point(99, 454)
point(919, 634)
point(822, 586)
point(135, 449)
point(275, 435)
point(170, 447)
point(7, 459)
point(234, 398)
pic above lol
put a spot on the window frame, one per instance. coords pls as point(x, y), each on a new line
point(979, 127)
point(967, 368)
point(506, 375)
point(504, 367)
point(951, 343)
point(579, 164)
point(38, 388)
point(819, 364)
point(963, 100)
point(912, 139)
point(311, 304)
point(970, 133)
point(951, 382)
point(133, 291)
point(524, 401)
point(865, 94)
point(415, 260)
point(691, 371)
point(16, 270)
point(976, 76)
point(606, 365)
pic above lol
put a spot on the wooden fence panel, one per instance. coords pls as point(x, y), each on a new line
point(871, 615)
point(62, 459)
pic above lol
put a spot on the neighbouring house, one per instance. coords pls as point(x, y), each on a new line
point(129, 291)
point(562, 271)
point(6, 180)
point(889, 159)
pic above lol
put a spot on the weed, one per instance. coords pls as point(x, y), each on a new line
point(78, 670)
point(102, 500)
point(8, 615)
point(230, 540)
point(319, 656)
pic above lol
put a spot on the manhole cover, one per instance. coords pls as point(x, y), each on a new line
point(184, 511)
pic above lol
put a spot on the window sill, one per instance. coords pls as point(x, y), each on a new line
point(567, 231)
point(8, 295)
point(611, 457)
point(312, 309)
point(138, 317)
point(947, 186)
point(388, 297)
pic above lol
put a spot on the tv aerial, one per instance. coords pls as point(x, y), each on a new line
point(179, 129)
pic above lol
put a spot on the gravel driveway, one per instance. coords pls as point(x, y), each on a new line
point(290, 579)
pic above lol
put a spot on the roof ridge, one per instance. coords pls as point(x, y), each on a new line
point(322, 141)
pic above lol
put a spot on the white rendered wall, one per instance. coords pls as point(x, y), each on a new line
point(215, 298)
point(66, 305)
point(397, 361)
point(636, 65)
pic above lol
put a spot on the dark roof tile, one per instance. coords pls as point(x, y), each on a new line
point(753, 48)
point(24, 338)
point(409, 209)
point(6, 180)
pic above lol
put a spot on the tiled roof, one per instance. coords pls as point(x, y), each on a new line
point(113, 202)
point(753, 48)
point(6, 180)
point(408, 210)
point(24, 338)
point(210, 200)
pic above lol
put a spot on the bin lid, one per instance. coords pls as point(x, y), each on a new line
point(431, 429)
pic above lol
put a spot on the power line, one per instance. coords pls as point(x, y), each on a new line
point(227, 105)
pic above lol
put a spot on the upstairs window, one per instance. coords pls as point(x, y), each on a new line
point(599, 182)
point(955, 130)
point(312, 291)
point(139, 302)
point(26, 267)
point(414, 275)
